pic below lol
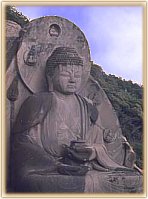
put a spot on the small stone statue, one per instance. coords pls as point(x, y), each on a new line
point(58, 142)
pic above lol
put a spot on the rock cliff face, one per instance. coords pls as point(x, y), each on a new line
point(125, 96)
point(12, 40)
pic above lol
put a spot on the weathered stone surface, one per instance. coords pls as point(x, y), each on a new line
point(38, 43)
point(12, 39)
point(107, 118)
point(74, 110)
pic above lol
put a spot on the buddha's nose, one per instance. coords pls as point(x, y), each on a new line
point(72, 79)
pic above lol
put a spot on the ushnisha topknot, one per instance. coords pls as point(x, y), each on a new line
point(64, 56)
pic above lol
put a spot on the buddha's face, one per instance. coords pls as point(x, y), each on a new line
point(67, 78)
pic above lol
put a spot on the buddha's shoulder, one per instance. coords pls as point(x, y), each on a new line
point(33, 111)
point(38, 99)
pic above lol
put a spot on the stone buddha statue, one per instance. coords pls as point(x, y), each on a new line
point(58, 139)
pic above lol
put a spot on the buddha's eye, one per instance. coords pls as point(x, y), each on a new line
point(64, 74)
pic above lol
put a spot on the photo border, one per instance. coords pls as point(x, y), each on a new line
point(3, 94)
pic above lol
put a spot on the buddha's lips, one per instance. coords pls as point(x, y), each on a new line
point(71, 86)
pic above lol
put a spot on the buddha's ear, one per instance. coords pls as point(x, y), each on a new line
point(49, 83)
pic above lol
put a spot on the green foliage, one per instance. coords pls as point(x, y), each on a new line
point(126, 98)
point(13, 15)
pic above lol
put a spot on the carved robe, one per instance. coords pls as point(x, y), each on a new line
point(44, 123)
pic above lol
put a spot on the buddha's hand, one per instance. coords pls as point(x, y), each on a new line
point(81, 153)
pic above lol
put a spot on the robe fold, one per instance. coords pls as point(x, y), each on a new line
point(45, 122)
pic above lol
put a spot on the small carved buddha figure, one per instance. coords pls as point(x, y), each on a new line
point(60, 129)
point(54, 31)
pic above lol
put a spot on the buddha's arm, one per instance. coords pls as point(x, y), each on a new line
point(29, 158)
point(27, 153)
point(30, 165)
point(100, 152)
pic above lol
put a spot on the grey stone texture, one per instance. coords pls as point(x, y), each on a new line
point(45, 113)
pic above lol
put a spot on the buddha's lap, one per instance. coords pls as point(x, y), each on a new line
point(35, 175)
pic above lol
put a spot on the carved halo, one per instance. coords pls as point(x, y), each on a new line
point(38, 43)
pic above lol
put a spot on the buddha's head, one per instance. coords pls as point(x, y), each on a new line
point(64, 69)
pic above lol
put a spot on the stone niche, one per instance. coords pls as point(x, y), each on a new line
point(25, 76)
